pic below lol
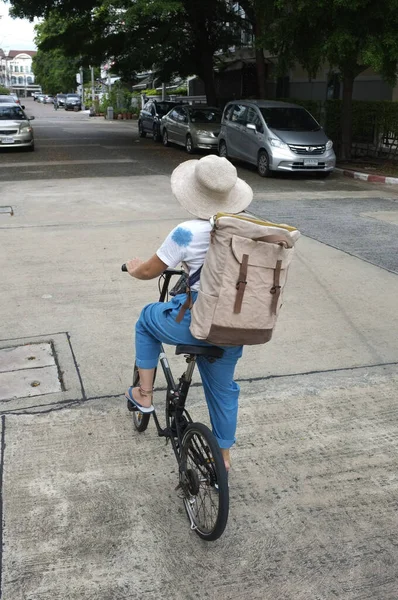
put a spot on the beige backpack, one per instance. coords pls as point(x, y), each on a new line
point(242, 280)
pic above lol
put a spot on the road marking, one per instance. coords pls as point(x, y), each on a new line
point(69, 145)
point(68, 162)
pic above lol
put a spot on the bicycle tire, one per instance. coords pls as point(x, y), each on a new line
point(140, 420)
point(201, 453)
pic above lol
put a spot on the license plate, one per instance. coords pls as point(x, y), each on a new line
point(8, 140)
point(310, 162)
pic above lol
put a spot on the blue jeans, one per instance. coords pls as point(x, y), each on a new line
point(156, 325)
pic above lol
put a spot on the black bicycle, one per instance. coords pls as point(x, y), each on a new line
point(203, 479)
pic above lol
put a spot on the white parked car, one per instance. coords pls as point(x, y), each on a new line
point(15, 127)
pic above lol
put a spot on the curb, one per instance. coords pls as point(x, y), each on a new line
point(367, 176)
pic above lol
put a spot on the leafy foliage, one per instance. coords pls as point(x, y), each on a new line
point(174, 37)
point(350, 35)
point(4, 90)
point(54, 71)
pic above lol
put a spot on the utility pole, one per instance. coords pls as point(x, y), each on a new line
point(82, 84)
point(92, 86)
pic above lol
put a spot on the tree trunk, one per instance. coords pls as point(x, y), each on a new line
point(207, 74)
point(260, 67)
point(346, 115)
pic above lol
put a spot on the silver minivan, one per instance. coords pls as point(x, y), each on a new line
point(275, 136)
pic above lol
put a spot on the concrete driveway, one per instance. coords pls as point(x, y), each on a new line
point(88, 506)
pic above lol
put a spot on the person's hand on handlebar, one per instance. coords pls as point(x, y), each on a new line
point(132, 265)
point(148, 269)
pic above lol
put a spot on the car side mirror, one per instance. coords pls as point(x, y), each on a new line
point(31, 118)
point(23, 107)
point(251, 126)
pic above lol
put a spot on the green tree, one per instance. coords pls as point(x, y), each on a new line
point(351, 35)
point(54, 71)
point(4, 90)
point(173, 37)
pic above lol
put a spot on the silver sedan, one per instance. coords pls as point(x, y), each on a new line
point(192, 127)
point(15, 128)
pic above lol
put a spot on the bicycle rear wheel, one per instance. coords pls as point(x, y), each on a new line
point(140, 419)
point(204, 481)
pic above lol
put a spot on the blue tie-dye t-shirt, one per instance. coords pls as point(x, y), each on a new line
point(188, 244)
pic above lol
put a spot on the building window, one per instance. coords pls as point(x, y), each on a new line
point(20, 80)
point(13, 80)
point(29, 80)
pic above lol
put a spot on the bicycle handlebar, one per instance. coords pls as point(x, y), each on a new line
point(166, 272)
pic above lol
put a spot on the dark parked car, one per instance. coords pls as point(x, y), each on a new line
point(151, 115)
point(73, 102)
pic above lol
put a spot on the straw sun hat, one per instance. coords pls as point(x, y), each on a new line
point(210, 185)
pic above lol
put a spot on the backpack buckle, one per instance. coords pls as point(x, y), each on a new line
point(274, 289)
point(239, 282)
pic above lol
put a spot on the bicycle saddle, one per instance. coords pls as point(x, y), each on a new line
point(210, 351)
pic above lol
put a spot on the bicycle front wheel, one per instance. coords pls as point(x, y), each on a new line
point(203, 479)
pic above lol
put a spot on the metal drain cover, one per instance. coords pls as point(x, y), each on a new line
point(28, 370)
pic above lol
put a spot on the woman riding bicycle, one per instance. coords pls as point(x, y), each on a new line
point(203, 187)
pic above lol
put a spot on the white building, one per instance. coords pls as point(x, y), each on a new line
point(16, 71)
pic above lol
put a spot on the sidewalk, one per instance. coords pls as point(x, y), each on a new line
point(89, 506)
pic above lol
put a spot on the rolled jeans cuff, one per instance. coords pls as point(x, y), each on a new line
point(149, 363)
point(225, 444)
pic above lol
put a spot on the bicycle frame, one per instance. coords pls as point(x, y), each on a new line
point(176, 393)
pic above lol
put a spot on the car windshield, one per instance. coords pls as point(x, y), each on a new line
point(12, 113)
point(202, 115)
point(163, 108)
point(6, 99)
point(289, 119)
point(73, 96)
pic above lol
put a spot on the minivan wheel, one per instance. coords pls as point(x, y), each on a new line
point(263, 164)
point(189, 147)
point(222, 149)
point(141, 132)
point(165, 138)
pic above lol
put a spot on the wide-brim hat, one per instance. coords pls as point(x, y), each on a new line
point(210, 185)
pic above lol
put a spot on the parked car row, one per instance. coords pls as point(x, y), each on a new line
point(274, 136)
point(66, 101)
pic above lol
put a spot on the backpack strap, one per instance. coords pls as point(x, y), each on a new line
point(241, 284)
point(195, 277)
point(188, 304)
point(276, 288)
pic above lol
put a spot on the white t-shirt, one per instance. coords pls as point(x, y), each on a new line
point(188, 244)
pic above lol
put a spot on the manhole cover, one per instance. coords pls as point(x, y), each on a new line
point(28, 370)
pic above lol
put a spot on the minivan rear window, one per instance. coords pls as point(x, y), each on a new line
point(289, 119)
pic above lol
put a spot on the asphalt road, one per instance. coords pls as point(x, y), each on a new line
point(347, 215)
